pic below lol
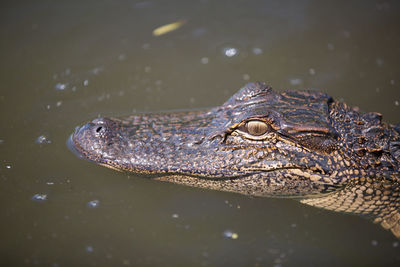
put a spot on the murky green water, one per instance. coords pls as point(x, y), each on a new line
point(66, 62)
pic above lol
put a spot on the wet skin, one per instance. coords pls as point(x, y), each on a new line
point(299, 144)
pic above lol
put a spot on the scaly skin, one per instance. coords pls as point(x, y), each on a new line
point(300, 144)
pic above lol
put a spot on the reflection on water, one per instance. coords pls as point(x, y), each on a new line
point(64, 63)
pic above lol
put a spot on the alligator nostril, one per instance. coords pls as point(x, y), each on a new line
point(99, 129)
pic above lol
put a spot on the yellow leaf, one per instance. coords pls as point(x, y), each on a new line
point(168, 28)
point(235, 236)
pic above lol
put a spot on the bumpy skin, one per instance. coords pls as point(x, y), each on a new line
point(306, 146)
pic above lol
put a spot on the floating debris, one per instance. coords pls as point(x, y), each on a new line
point(93, 204)
point(175, 216)
point(168, 28)
point(231, 235)
point(379, 62)
point(312, 71)
point(42, 140)
point(96, 70)
point(104, 97)
point(346, 34)
point(296, 81)
point(257, 51)
point(85, 82)
point(61, 86)
point(39, 197)
point(230, 51)
point(122, 57)
point(89, 249)
point(204, 60)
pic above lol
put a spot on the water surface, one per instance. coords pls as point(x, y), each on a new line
point(66, 62)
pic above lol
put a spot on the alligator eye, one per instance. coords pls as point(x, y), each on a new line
point(257, 128)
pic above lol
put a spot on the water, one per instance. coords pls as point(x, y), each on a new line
point(66, 62)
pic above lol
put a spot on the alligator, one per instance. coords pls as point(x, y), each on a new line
point(299, 144)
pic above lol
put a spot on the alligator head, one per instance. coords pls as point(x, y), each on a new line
point(300, 144)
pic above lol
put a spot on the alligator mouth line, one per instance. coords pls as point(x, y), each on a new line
point(301, 172)
point(73, 147)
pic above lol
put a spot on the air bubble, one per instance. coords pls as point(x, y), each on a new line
point(379, 62)
point(96, 70)
point(39, 197)
point(93, 204)
point(229, 234)
point(230, 51)
point(42, 140)
point(61, 86)
point(204, 60)
point(257, 51)
point(122, 57)
point(296, 81)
